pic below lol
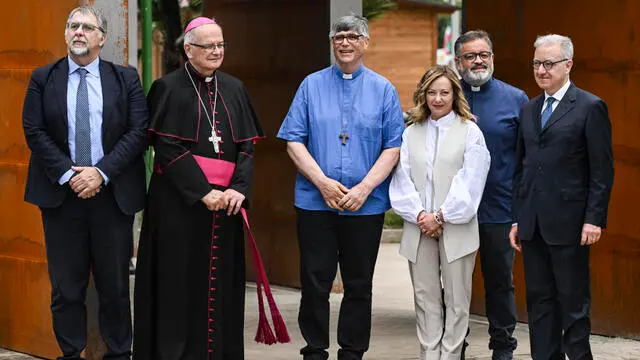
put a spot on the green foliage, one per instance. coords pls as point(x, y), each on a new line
point(392, 220)
point(372, 9)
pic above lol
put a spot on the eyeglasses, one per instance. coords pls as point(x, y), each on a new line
point(351, 38)
point(472, 56)
point(211, 47)
point(548, 64)
point(85, 27)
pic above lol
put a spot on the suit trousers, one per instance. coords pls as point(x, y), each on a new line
point(82, 236)
point(441, 329)
point(558, 299)
point(496, 263)
point(327, 239)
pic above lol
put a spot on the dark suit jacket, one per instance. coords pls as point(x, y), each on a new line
point(124, 127)
point(564, 171)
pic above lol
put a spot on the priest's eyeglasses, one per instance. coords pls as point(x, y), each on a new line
point(85, 27)
point(548, 64)
point(472, 56)
point(211, 47)
point(351, 38)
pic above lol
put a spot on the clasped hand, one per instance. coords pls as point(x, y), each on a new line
point(428, 225)
point(230, 199)
point(339, 197)
point(86, 181)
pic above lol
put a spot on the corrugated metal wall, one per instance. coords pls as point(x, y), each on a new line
point(606, 36)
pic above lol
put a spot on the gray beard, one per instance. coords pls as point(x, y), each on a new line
point(79, 51)
point(477, 79)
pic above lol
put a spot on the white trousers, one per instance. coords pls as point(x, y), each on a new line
point(441, 335)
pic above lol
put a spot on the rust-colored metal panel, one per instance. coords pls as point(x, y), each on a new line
point(273, 45)
point(25, 320)
point(606, 37)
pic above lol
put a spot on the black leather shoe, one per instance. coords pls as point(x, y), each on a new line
point(464, 347)
point(502, 355)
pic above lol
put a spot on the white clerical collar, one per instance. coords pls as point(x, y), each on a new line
point(481, 87)
point(208, 79)
point(558, 95)
point(351, 76)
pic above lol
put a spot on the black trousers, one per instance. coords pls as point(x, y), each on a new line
point(83, 236)
point(496, 256)
point(558, 299)
point(327, 239)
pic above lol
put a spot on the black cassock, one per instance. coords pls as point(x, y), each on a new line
point(190, 278)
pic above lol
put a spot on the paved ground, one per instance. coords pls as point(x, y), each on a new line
point(393, 334)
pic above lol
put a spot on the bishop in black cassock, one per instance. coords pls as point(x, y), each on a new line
point(190, 280)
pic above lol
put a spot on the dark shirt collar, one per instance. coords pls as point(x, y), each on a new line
point(192, 70)
point(482, 88)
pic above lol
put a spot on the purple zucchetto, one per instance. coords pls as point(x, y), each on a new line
point(197, 22)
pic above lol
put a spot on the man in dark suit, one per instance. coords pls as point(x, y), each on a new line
point(85, 121)
point(562, 183)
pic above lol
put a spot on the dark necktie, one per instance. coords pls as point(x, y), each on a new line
point(546, 114)
point(83, 125)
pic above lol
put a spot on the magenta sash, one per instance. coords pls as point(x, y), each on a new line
point(220, 172)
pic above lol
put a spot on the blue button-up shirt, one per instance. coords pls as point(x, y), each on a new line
point(497, 106)
point(94, 87)
point(328, 103)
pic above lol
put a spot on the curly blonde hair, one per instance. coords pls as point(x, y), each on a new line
point(420, 112)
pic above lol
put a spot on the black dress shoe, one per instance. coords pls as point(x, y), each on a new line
point(464, 347)
point(502, 355)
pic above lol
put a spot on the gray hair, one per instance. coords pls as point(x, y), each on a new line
point(553, 39)
point(350, 23)
point(190, 36)
point(472, 36)
point(90, 10)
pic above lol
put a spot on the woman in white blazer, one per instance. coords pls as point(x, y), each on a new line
point(436, 189)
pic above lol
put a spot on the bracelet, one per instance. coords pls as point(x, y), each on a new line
point(437, 218)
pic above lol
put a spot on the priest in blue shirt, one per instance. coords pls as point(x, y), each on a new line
point(343, 132)
point(497, 106)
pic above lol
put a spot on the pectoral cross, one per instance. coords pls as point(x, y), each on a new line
point(215, 140)
point(344, 137)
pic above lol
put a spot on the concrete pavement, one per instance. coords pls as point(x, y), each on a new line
point(393, 324)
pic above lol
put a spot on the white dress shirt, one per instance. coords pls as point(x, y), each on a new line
point(94, 88)
point(558, 95)
point(464, 196)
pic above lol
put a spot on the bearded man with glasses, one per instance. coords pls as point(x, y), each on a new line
point(85, 121)
point(561, 190)
point(496, 105)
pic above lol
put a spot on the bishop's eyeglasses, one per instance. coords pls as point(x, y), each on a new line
point(211, 47)
point(548, 64)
